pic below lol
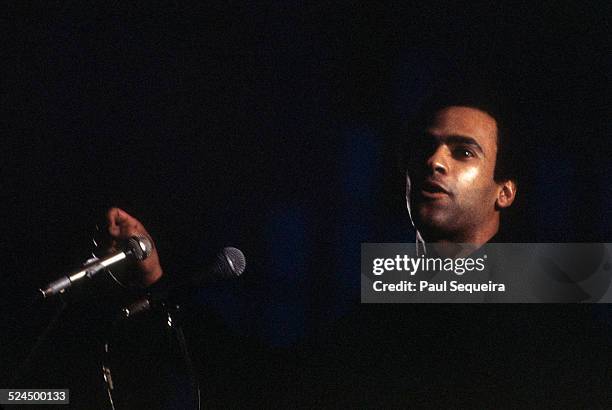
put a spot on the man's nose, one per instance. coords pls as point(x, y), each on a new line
point(438, 161)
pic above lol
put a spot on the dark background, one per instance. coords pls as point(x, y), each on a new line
point(269, 127)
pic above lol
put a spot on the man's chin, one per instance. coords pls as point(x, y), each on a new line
point(432, 221)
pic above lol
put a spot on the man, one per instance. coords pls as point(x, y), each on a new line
point(456, 192)
point(458, 184)
point(462, 176)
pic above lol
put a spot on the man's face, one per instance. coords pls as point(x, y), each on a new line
point(453, 191)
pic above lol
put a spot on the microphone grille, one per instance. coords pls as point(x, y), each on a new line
point(234, 260)
point(140, 247)
point(228, 264)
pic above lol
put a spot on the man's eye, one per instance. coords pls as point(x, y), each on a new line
point(463, 153)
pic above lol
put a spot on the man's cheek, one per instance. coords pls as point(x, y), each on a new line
point(469, 175)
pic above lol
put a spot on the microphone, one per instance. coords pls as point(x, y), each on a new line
point(228, 264)
point(136, 248)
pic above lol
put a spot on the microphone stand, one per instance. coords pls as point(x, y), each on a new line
point(172, 324)
point(171, 311)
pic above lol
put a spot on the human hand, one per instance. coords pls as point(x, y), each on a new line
point(122, 226)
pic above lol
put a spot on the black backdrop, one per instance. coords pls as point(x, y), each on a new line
point(268, 127)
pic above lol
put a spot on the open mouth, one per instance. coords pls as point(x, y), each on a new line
point(433, 190)
point(433, 195)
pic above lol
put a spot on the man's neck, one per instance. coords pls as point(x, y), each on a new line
point(463, 244)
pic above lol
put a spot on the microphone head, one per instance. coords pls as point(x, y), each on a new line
point(235, 258)
point(140, 247)
point(229, 264)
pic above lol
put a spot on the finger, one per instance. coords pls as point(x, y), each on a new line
point(122, 225)
point(113, 218)
point(110, 220)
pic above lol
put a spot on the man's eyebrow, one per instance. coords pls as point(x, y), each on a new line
point(459, 139)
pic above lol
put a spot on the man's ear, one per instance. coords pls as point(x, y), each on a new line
point(506, 194)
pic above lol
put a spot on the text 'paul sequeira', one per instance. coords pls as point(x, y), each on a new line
point(405, 263)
